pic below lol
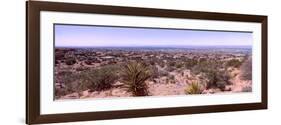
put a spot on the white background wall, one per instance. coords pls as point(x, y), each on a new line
point(12, 50)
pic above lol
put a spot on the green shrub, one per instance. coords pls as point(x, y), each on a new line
point(189, 63)
point(94, 79)
point(172, 63)
point(233, 63)
point(70, 61)
point(81, 68)
point(70, 82)
point(213, 73)
point(99, 79)
point(202, 60)
point(179, 65)
point(161, 64)
point(89, 61)
point(247, 89)
point(206, 66)
point(163, 73)
point(170, 68)
point(171, 77)
point(134, 76)
point(152, 62)
point(60, 92)
point(217, 79)
point(154, 72)
point(194, 88)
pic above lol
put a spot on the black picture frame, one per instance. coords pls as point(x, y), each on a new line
point(33, 9)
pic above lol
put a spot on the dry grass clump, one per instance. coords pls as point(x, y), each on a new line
point(194, 88)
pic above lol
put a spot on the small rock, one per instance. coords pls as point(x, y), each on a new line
point(118, 83)
point(83, 97)
point(93, 94)
point(208, 91)
point(71, 96)
point(116, 92)
point(227, 89)
point(86, 93)
point(101, 95)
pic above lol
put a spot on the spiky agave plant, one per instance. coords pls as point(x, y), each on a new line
point(194, 88)
point(134, 76)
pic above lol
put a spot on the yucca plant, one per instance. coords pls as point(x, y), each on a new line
point(194, 88)
point(134, 76)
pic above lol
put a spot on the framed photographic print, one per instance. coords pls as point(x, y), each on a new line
point(92, 62)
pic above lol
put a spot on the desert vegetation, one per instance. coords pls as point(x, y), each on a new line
point(134, 76)
point(194, 88)
point(127, 72)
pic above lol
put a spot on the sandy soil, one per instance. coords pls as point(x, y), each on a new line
point(239, 84)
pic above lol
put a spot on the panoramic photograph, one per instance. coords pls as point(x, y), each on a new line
point(92, 62)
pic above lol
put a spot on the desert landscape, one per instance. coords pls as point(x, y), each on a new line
point(92, 62)
point(108, 72)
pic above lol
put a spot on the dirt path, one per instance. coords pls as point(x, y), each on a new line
point(239, 84)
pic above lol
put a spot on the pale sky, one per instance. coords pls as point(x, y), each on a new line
point(100, 36)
